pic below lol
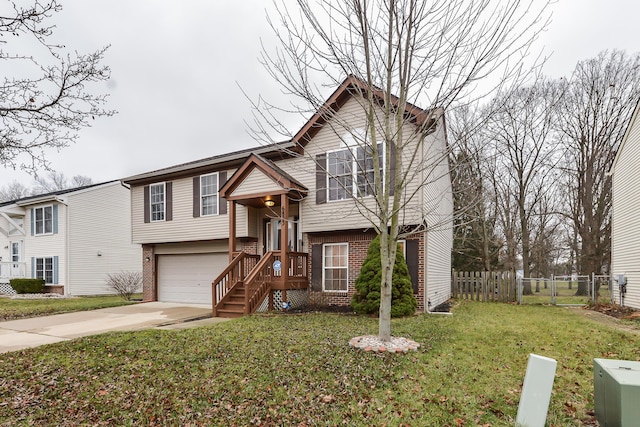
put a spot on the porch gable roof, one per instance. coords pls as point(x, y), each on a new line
point(285, 183)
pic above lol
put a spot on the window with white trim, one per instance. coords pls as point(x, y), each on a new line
point(350, 171)
point(209, 194)
point(43, 220)
point(335, 267)
point(157, 196)
point(44, 269)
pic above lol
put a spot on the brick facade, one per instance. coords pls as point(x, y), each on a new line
point(358, 241)
point(149, 291)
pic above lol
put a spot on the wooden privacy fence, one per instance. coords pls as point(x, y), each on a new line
point(498, 286)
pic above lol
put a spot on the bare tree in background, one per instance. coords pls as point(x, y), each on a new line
point(521, 132)
point(407, 53)
point(45, 94)
point(599, 101)
point(13, 191)
point(56, 181)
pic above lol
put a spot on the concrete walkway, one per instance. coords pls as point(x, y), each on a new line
point(33, 332)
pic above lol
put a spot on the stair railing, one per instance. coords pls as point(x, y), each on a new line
point(258, 283)
point(233, 275)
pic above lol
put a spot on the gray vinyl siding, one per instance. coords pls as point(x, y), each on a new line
point(438, 212)
point(625, 242)
point(183, 226)
point(98, 220)
point(342, 214)
point(256, 182)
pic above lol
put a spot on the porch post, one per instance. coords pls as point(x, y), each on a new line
point(232, 229)
point(284, 243)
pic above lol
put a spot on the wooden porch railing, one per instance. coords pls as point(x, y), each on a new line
point(11, 270)
point(231, 277)
point(298, 268)
point(258, 282)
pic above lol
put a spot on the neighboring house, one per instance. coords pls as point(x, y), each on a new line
point(625, 221)
point(71, 238)
point(226, 219)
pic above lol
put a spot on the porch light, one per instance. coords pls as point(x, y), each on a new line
point(269, 203)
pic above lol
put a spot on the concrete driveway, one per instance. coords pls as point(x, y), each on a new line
point(25, 333)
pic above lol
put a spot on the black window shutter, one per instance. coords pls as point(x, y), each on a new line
point(222, 180)
point(392, 168)
point(321, 178)
point(196, 196)
point(412, 262)
point(316, 268)
point(146, 204)
point(168, 201)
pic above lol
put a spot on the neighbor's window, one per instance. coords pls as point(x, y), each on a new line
point(43, 220)
point(350, 171)
point(209, 194)
point(157, 199)
point(44, 269)
point(335, 267)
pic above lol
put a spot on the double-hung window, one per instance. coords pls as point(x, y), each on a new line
point(43, 220)
point(209, 194)
point(335, 267)
point(44, 269)
point(351, 172)
point(157, 201)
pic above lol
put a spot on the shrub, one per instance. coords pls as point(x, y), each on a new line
point(125, 283)
point(27, 286)
point(366, 300)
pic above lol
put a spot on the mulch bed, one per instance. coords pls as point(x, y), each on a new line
point(615, 310)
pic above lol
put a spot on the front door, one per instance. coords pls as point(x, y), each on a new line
point(16, 259)
point(273, 234)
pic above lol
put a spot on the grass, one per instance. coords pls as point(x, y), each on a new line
point(298, 370)
point(565, 294)
point(11, 309)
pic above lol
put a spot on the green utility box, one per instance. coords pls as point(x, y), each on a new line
point(616, 394)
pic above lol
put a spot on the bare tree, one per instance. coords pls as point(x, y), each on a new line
point(476, 245)
point(13, 191)
point(521, 131)
point(406, 53)
point(45, 96)
point(600, 98)
point(56, 181)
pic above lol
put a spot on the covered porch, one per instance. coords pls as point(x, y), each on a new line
point(250, 278)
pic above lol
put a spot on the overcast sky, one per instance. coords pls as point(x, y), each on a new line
point(176, 66)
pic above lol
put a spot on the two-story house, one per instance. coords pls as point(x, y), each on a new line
point(279, 223)
point(70, 238)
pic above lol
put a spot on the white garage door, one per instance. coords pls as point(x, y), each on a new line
point(187, 278)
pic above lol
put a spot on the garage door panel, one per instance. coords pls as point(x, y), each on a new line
point(187, 278)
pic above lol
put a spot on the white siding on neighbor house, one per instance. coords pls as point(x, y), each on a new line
point(625, 227)
point(99, 223)
point(342, 214)
point(183, 226)
point(47, 245)
point(438, 212)
point(256, 182)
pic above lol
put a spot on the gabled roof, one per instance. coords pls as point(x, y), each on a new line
point(634, 118)
point(46, 197)
point(350, 87)
point(286, 183)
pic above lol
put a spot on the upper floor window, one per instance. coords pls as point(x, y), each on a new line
point(209, 194)
point(43, 220)
point(350, 171)
point(157, 197)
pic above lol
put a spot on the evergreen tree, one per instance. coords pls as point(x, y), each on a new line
point(366, 300)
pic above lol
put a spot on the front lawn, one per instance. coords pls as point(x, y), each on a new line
point(298, 370)
point(11, 309)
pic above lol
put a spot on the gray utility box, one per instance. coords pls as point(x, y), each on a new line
point(616, 394)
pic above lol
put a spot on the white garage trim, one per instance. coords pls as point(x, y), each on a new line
point(187, 278)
